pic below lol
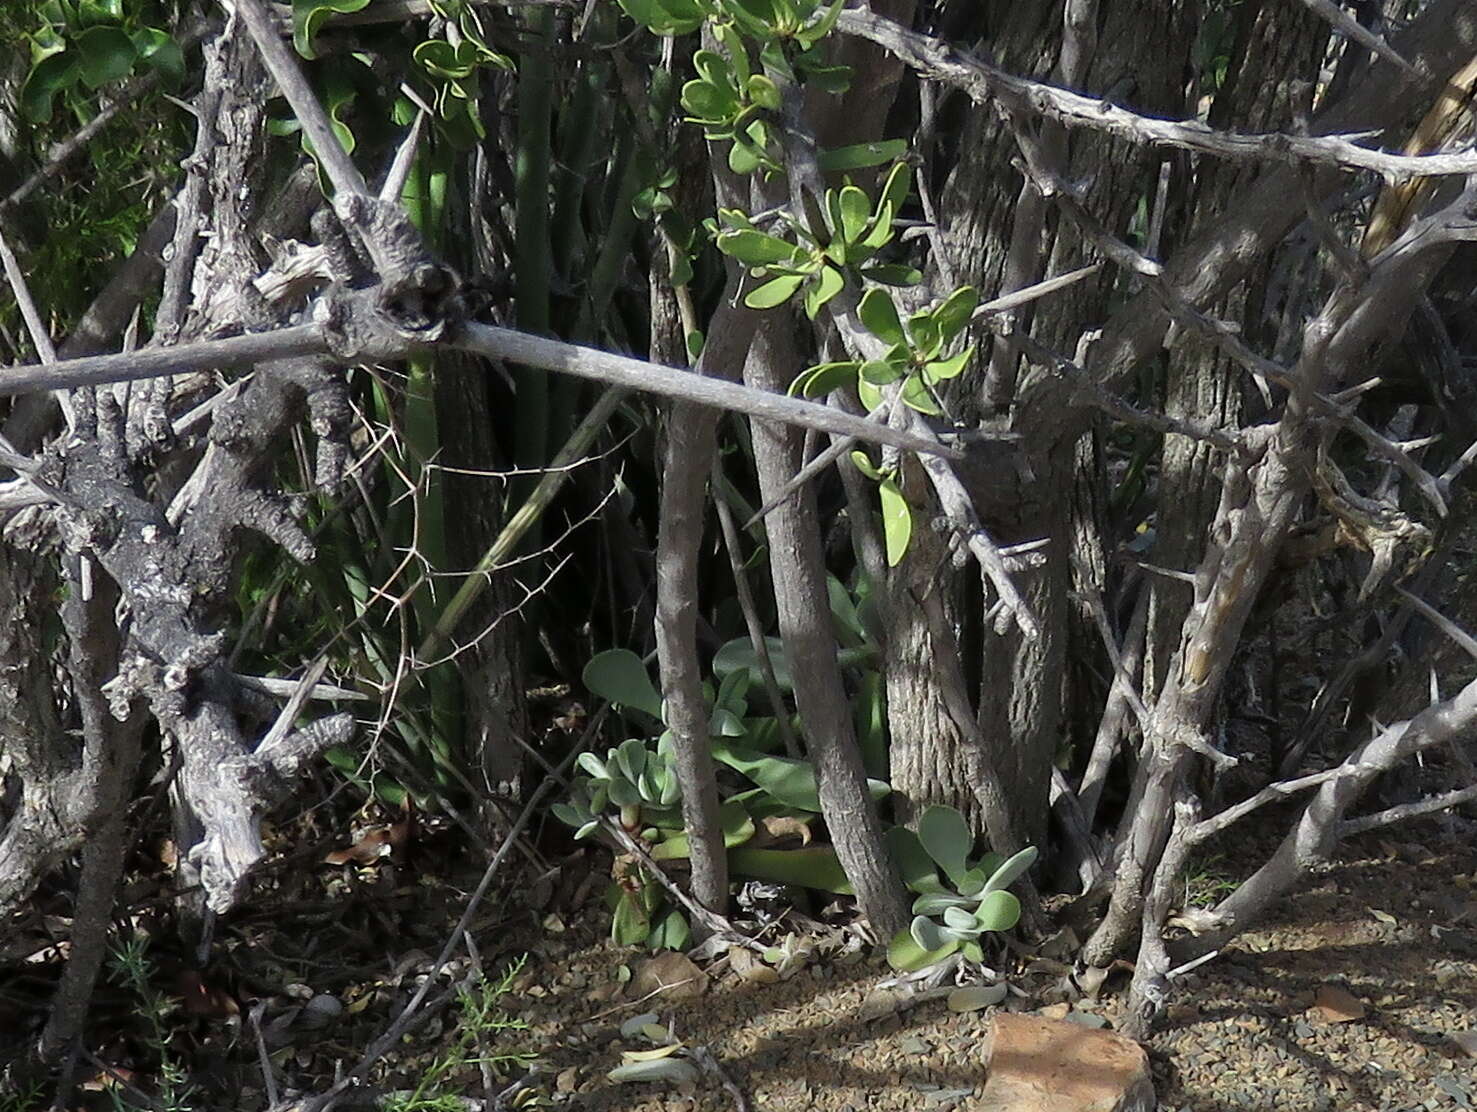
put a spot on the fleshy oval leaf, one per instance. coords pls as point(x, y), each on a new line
point(947, 839)
point(999, 911)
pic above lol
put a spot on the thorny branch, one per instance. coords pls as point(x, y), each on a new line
point(984, 82)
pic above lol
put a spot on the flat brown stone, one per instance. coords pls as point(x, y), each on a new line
point(1034, 1064)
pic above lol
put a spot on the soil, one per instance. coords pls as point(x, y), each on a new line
point(1392, 923)
point(329, 953)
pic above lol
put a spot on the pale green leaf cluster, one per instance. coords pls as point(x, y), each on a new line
point(952, 911)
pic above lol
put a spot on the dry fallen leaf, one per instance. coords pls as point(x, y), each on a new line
point(1055, 1011)
point(197, 998)
point(368, 849)
point(751, 968)
point(1336, 1005)
point(109, 1078)
point(883, 1002)
point(975, 997)
point(779, 827)
point(672, 974)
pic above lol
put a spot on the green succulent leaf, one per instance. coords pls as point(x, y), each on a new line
point(593, 765)
point(999, 911)
point(848, 621)
point(880, 372)
point(869, 713)
point(879, 314)
point(104, 54)
point(630, 924)
point(912, 860)
point(1012, 870)
point(897, 521)
point(308, 17)
point(972, 883)
point(863, 463)
point(738, 53)
point(828, 79)
point(158, 50)
point(619, 676)
point(671, 1070)
point(855, 209)
point(756, 248)
point(623, 793)
point(670, 933)
point(724, 723)
point(734, 820)
point(709, 103)
point(630, 757)
point(755, 18)
point(861, 156)
point(894, 193)
point(946, 837)
point(763, 92)
point(744, 157)
point(732, 690)
point(915, 395)
point(933, 903)
point(928, 935)
point(48, 78)
point(790, 781)
point(924, 333)
point(774, 292)
point(714, 68)
point(949, 368)
point(815, 867)
point(953, 315)
point(664, 17)
point(906, 956)
point(739, 654)
point(736, 218)
point(827, 285)
point(821, 27)
point(92, 12)
point(964, 922)
point(989, 862)
point(440, 59)
point(893, 274)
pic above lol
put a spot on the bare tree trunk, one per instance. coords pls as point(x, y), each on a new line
point(1269, 81)
point(796, 558)
point(111, 752)
point(40, 770)
point(687, 459)
point(1024, 684)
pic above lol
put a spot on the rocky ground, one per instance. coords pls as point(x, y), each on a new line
point(1359, 993)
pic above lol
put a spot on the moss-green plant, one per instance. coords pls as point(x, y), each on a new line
point(482, 1028)
point(21, 1096)
point(131, 967)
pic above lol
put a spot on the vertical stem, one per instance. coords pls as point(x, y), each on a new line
point(798, 569)
point(111, 752)
point(532, 249)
